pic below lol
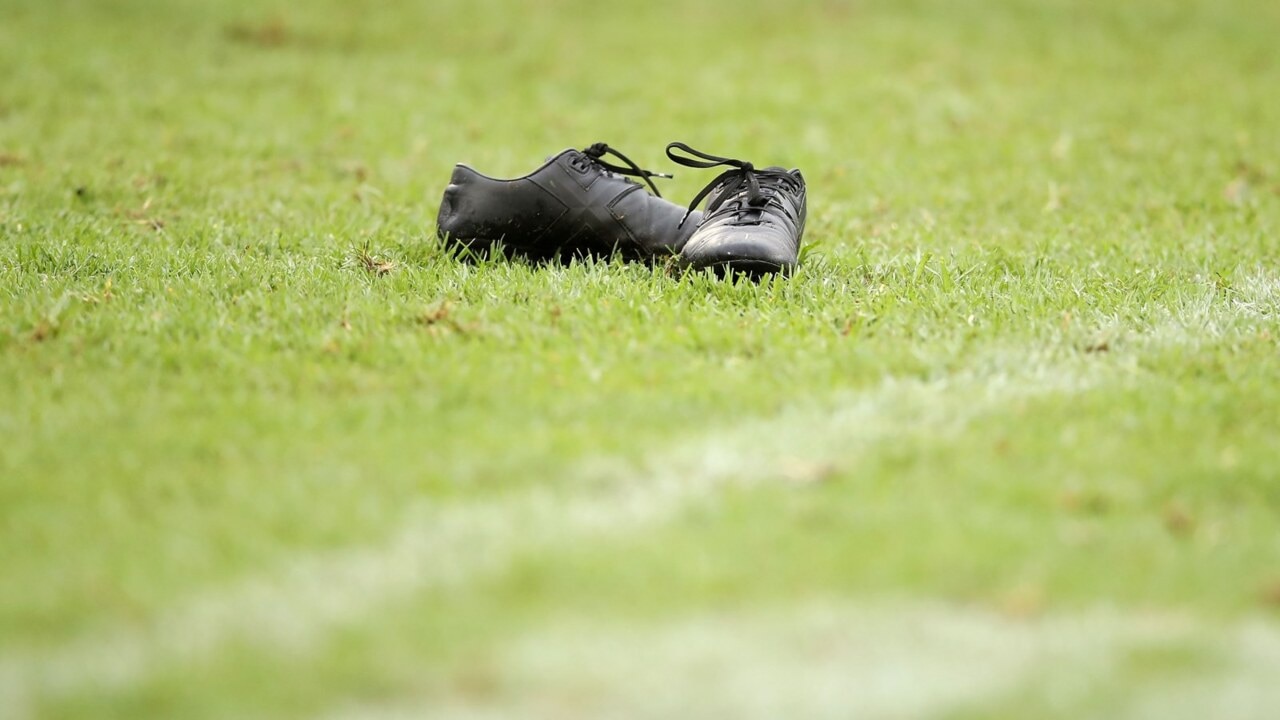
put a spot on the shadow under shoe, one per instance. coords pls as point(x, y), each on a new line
point(754, 219)
point(575, 205)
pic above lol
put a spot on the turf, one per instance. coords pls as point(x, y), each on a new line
point(1005, 445)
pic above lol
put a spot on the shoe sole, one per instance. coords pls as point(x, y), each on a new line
point(754, 269)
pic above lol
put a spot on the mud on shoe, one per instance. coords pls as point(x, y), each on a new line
point(754, 219)
point(575, 205)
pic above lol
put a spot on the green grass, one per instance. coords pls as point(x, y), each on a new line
point(1010, 433)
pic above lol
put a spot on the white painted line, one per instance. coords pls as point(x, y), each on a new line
point(838, 660)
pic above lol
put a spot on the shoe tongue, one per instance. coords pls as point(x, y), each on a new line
point(720, 193)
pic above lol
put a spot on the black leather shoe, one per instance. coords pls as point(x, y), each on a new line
point(574, 205)
point(754, 218)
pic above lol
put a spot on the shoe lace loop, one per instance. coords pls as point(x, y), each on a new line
point(741, 174)
point(596, 152)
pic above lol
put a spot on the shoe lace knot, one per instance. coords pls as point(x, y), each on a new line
point(760, 185)
point(594, 154)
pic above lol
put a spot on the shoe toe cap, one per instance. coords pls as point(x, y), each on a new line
point(749, 248)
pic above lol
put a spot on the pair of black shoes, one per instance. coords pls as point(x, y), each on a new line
point(579, 205)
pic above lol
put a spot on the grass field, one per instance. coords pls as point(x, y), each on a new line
point(1007, 445)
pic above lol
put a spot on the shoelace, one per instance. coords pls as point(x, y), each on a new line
point(739, 175)
point(595, 152)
